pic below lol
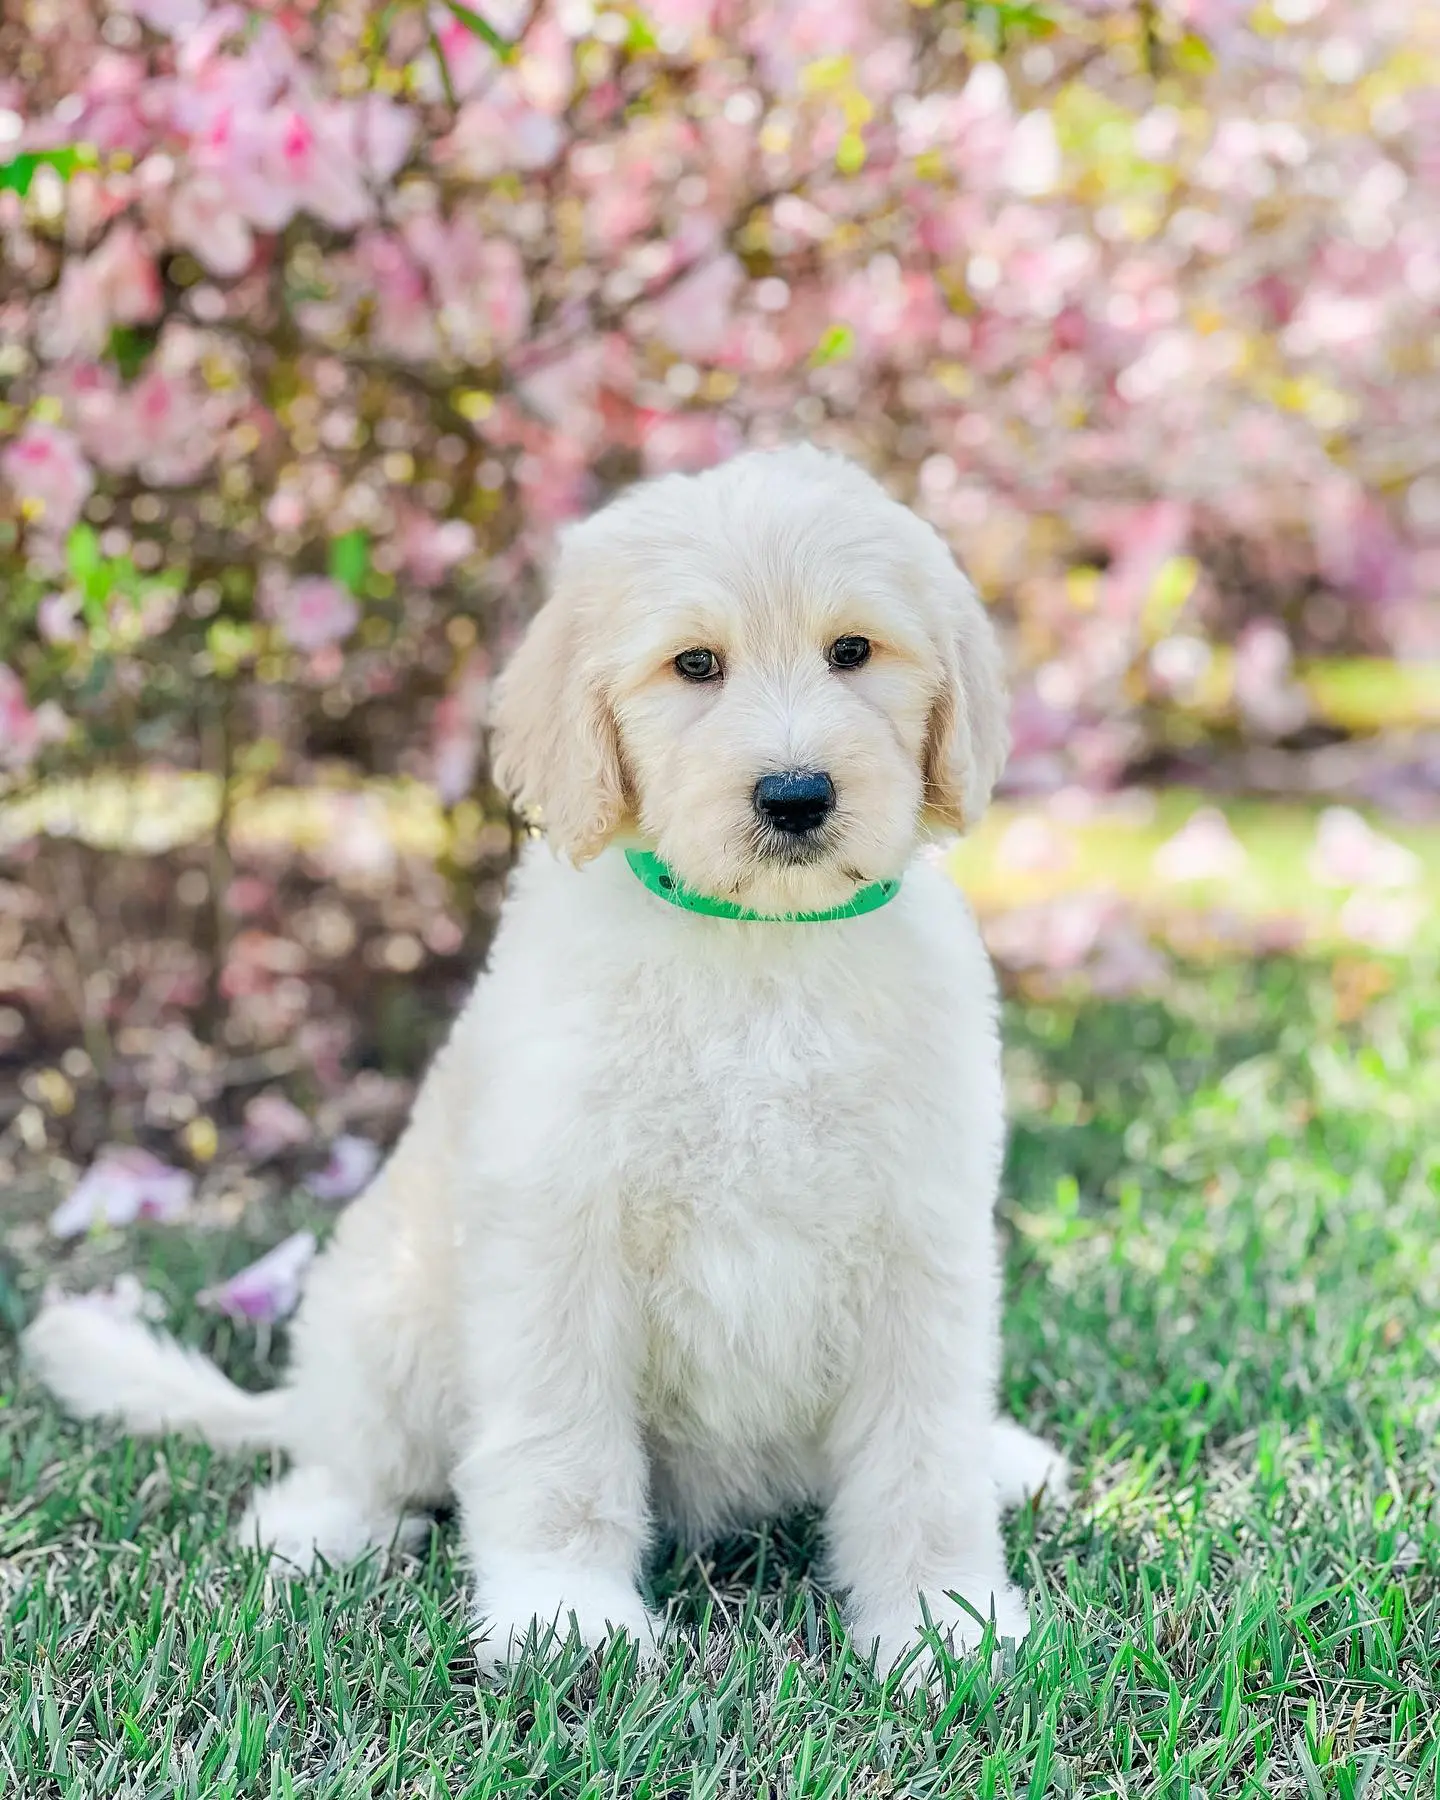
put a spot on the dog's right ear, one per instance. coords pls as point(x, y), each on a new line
point(556, 747)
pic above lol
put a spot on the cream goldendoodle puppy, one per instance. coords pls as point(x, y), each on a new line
point(693, 1220)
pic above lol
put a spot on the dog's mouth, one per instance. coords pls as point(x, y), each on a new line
point(793, 851)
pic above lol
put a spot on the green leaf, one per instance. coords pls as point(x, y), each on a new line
point(19, 172)
point(82, 552)
point(129, 347)
point(482, 29)
point(837, 343)
point(640, 38)
point(350, 559)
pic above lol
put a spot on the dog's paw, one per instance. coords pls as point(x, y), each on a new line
point(1028, 1470)
point(520, 1601)
point(310, 1517)
point(890, 1631)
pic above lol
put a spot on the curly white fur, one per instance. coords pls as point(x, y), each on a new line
point(693, 1219)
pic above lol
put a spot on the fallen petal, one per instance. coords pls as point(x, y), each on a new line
point(121, 1186)
point(353, 1160)
point(269, 1288)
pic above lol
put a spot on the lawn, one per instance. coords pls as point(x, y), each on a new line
point(1224, 1291)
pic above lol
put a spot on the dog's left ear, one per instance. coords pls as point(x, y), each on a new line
point(556, 744)
point(969, 734)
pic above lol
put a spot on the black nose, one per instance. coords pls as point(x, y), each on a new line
point(796, 802)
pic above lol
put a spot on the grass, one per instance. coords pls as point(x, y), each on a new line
point(1224, 1292)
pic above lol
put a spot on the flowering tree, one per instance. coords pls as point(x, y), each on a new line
point(318, 319)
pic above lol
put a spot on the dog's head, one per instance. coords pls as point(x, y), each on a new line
point(772, 672)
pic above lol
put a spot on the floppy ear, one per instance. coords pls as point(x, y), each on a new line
point(969, 735)
point(556, 746)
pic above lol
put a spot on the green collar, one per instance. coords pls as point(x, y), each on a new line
point(656, 876)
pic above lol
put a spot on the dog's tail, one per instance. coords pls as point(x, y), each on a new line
point(101, 1365)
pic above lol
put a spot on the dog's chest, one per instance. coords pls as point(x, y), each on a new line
point(765, 1133)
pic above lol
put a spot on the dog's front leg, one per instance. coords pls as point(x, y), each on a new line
point(915, 1514)
point(552, 1484)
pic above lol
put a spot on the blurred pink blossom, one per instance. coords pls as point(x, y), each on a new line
point(121, 1186)
point(206, 221)
point(1384, 922)
point(1204, 849)
point(693, 317)
point(352, 1162)
point(499, 131)
point(45, 468)
point(273, 1125)
point(1126, 963)
point(1031, 845)
point(157, 426)
point(117, 284)
point(268, 1289)
point(1142, 540)
point(687, 441)
point(479, 282)
point(1349, 852)
point(311, 612)
point(277, 161)
point(1056, 935)
point(25, 731)
point(430, 548)
point(1271, 701)
point(171, 18)
point(57, 619)
point(460, 720)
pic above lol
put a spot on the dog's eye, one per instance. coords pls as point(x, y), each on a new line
point(849, 652)
point(698, 665)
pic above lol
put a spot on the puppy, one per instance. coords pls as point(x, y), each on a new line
point(693, 1219)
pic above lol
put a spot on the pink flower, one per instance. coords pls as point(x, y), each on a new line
point(158, 426)
point(353, 1160)
point(172, 18)
point(379, 134)
point(1033, 846)
point(694, 317)
point(1359, 550)
point(57, 621)
point(206, 221)
point(116, 285)
point(501, 131)
point(291, 159)
point(269, 1288)
point(460, 720)
point(310, 612)
point(1144, 540)
point(1204, 849)
point(273, 1125)
point(1126, 963)
point(686, 441)
point(45, 470)
point(1385, 922)
point(680, 20)
point(1349, 852)
point(1056, 936)
point(121, 1186)
point(430, 548)
point(24, 732)
point(479, 281)
point(1271, 701)
point(403, 319)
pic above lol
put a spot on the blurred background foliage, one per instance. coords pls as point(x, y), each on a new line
point(319, 319)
